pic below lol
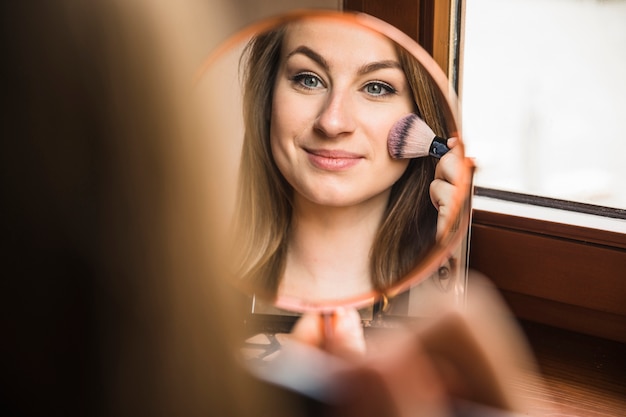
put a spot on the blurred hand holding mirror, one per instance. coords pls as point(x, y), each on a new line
point(327, 210)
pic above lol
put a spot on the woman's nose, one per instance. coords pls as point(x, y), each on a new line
point(337, 116)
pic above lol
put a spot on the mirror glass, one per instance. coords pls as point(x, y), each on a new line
point(323, 215)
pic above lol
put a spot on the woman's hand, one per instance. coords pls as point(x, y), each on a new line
point(398, 379)
point(444, 188)
point(339, 332)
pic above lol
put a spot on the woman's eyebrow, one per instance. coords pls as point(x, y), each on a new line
point(378, 65)
point(364, 69)
point(305, 50)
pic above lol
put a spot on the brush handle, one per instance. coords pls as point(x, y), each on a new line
point(439, 147)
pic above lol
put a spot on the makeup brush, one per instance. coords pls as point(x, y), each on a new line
point(411, 137)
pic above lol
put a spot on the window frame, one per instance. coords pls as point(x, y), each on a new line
point(550, 272)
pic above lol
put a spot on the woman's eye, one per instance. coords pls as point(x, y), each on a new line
point(308, 81)
point(378, 88)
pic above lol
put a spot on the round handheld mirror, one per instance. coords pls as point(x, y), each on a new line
point(349, 179)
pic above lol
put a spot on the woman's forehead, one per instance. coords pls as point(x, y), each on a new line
point(338, 38)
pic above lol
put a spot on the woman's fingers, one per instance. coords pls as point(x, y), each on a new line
point(450, 165)
point(347, 338)
point(344, 338)
point(442, 195)
point(443, 189)
point(308, 330)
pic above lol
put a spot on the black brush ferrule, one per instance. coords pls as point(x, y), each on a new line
point(439, 147)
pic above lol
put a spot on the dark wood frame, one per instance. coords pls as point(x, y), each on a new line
point(557, 274)
point(426, 21)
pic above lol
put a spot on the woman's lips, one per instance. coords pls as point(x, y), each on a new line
point(333, 160)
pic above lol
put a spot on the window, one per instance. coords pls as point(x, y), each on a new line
point(543, 90)
point(543, 93)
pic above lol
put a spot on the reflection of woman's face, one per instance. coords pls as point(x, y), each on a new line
point(338, 91)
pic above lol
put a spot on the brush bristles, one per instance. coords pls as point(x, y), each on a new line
point(409, 137)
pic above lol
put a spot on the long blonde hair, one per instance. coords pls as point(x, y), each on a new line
point(264, 206)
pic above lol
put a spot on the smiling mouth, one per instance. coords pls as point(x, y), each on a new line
point(333, 160)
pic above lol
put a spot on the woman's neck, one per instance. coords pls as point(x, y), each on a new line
point(328, 254)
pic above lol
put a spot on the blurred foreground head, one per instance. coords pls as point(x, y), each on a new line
point(110, 186)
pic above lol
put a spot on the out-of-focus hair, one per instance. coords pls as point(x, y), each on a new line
point(113, 301)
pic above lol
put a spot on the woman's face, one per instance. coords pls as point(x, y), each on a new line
point(338, 91)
